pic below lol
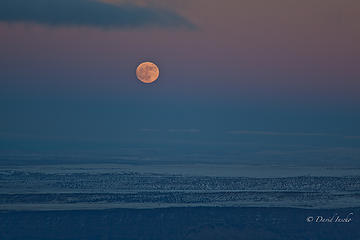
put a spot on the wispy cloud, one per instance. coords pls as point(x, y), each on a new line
point(352, 137)
point(270, 133)
point(177, 130)
point(190, 130)
point(274, 133)
point(89, 13)
point(149, 130)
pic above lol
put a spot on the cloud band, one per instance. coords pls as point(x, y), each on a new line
point(89, 13)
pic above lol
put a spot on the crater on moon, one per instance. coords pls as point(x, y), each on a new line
point(147, 72)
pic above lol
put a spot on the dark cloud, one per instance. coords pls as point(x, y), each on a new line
point(88, 13)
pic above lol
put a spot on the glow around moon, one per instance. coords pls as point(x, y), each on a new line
point(147, 72)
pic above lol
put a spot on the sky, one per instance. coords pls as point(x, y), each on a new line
point(240, 81)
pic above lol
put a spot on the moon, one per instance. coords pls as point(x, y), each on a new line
point(147, 72)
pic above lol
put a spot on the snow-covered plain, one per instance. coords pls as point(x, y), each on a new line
point(151, 186)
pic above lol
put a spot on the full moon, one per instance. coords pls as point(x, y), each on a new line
point(147, 72)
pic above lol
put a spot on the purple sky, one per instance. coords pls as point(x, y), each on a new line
point(287, 48)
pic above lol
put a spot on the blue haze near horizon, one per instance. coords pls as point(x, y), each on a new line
point(176, 129)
